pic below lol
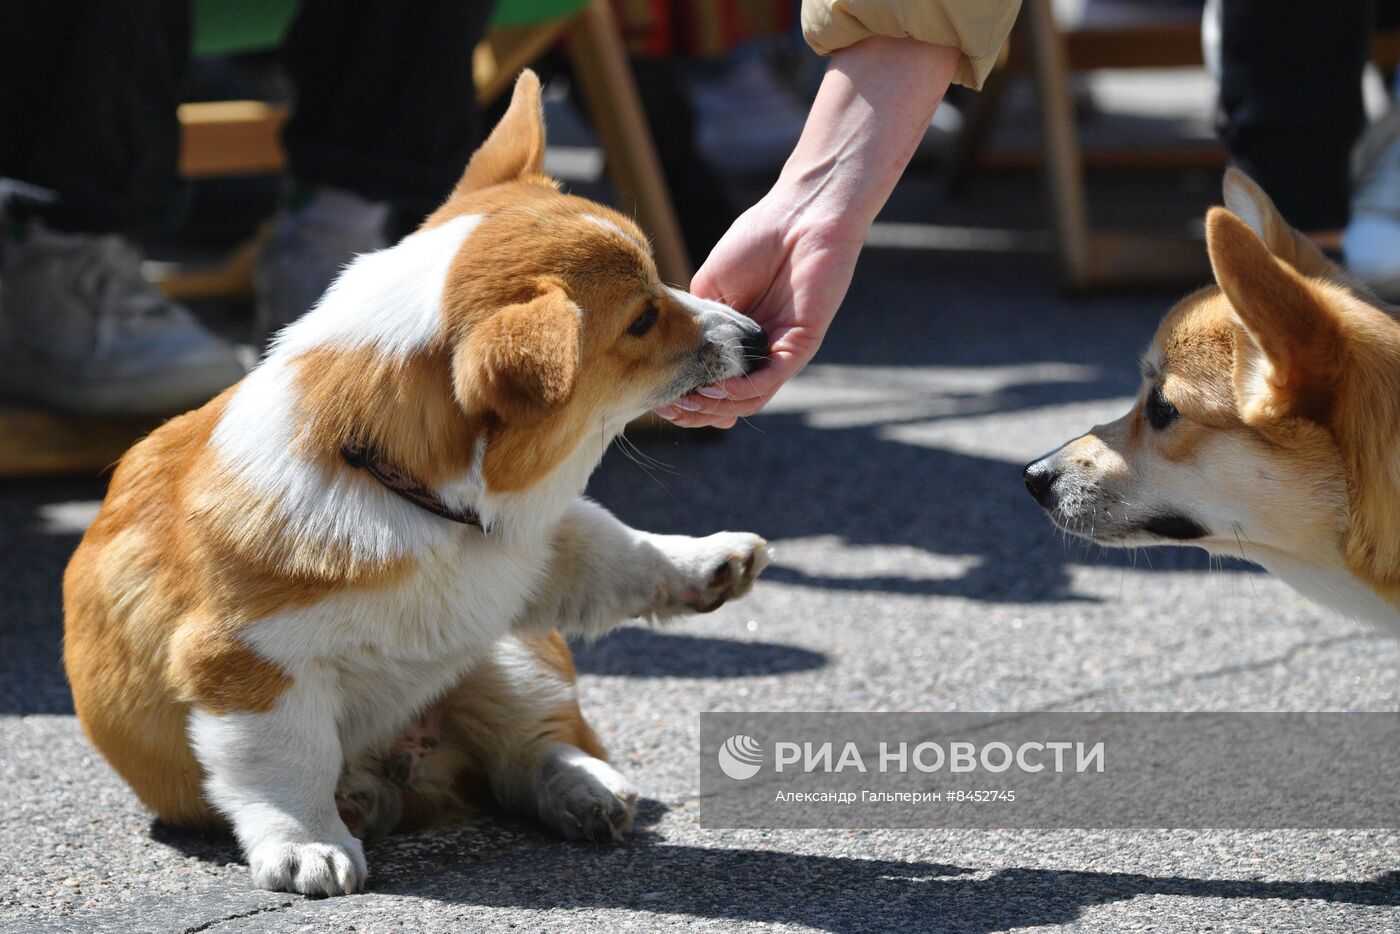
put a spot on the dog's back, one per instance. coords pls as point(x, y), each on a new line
point(123, 608)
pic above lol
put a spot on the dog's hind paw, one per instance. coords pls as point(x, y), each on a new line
point(583, 798)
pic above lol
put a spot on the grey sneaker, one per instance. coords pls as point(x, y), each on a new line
point(308, 247)
point(81, 330)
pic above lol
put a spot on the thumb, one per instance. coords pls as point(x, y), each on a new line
point(704, 283)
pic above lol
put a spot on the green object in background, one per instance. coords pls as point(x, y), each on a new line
point(530, 12)
point(223, 27)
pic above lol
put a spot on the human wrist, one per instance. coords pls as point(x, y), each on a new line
point(869, 115)
point(805, 203)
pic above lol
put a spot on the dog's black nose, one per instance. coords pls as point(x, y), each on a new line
point(1040, 479)
point(755, 346)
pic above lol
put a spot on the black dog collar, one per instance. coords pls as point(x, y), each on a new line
point(363, 457)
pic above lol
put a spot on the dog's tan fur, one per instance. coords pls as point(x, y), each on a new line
point(1286, 375)
point(210, 596)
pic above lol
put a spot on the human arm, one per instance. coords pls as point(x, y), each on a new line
point(787, 261)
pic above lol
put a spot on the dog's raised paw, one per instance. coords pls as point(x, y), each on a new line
point(712, 571)
point(309, 868)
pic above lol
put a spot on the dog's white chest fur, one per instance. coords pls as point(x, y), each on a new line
point(394, 649)
point(459, 593)
point(1334, 588)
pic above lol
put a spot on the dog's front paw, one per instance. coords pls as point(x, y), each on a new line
point(708, 572)
point(309, 868)
point(583, 798)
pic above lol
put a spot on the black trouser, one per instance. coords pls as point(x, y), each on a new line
point(702, 205)
point(88, 90)
point(1290, 98)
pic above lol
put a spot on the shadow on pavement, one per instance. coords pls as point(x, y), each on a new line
point(836, 893)
point(502, 863)
point(421, 854)
point(788, 480)
point(648, 653)
point(31, 594)
point(875, 450)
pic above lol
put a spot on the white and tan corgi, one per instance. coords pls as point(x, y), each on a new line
point(1268, 424)
point(333, 592)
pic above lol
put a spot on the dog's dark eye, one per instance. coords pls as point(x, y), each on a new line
point(1160, 413)
point(644, 322)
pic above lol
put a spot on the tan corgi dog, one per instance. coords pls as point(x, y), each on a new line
point(1268, 424)
point(331, 592)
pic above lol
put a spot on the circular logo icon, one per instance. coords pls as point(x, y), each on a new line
point(740, 757)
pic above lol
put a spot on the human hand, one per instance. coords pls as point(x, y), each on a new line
point(790, 276)
point(787, 261)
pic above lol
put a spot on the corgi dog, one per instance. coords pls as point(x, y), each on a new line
point(1267, 425)
point(328, 603)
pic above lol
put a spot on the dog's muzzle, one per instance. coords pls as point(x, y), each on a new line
point(736, 339)
point(1040, 481)
point(754, 344)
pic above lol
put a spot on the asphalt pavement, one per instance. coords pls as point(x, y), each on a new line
point(912, 573)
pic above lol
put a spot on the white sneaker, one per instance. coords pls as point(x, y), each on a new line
point(1371, 244)
point(307, 249)
point(81, 330)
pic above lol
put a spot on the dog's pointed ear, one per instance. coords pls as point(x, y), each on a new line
point(1247, 201)
point(1292, 360)
point(515, 149)
point(522, 361)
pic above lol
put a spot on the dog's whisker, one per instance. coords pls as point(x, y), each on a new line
point(641, 458)
point(1238, 533)
point(653, 461)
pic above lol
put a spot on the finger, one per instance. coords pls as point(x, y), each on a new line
point(723, 408)
point(702, 284)
point(761, 383)
point(700, 420)
point(683, 419)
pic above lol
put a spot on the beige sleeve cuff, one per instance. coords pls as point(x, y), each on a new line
point(977, 27)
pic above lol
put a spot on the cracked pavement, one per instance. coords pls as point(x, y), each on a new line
point(912, 573)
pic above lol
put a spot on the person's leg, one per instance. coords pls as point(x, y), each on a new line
point(88, 91)
point(385, 121)
point(701, 202)
point(385, 103)
point(1290, 100)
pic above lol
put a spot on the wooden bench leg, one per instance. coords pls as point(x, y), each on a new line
point(1064, 165)
point(1090, 258)
point(35, 443)
point(600, 62)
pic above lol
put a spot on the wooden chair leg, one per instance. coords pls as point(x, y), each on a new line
point(600, 62)
point(1091, 258)
point(498, 59)
point(1064, 164)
